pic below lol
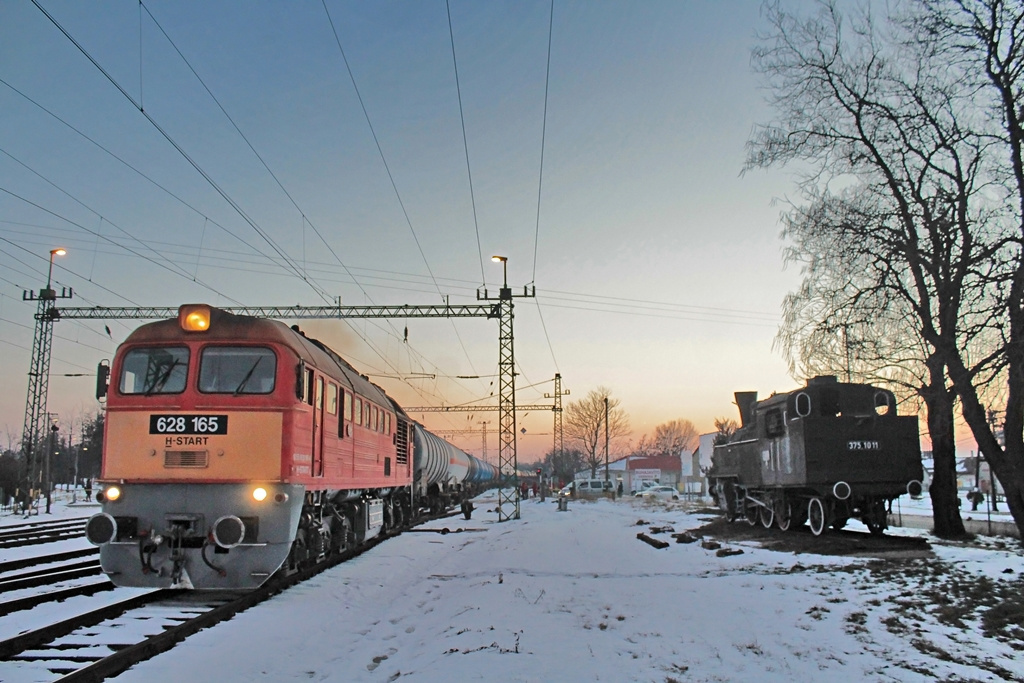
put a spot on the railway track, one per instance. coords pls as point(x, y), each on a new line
point(96, 645)
point(35, 533)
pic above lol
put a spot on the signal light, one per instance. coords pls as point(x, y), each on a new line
point(194, 317)
point(259, 494)
point(111, 493)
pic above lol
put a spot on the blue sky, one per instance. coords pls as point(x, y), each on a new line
point(658, 267)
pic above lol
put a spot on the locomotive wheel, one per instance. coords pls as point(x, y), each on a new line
point(767, 516)
point(750, 511)
point(816, 515)
point(783, 514)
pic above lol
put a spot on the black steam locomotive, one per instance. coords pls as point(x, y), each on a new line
point(822, 454)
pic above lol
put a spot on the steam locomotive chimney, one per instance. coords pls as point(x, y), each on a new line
point(745, 401)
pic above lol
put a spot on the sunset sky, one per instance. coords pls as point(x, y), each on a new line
point(657, 265)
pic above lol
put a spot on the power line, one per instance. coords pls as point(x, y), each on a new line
point(224, 195)
point(135, 169)
point(465, 145)
point(543, 136)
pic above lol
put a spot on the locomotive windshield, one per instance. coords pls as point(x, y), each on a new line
point(150, 371)
point(237, 370)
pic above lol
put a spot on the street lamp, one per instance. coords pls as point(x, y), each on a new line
point(53, 252)
point(504, 266)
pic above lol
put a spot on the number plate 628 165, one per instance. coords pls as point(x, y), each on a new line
point(188, 424)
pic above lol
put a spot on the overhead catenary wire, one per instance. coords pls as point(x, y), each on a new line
point(387, 168)
point(136, 170)
point(192, 162)
point(465, 144)
point(284, 256)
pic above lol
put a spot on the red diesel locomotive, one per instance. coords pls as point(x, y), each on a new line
point(235, 447)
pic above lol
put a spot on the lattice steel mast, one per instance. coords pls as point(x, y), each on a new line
point(32, 435)
point(559, 444)
point(508, 464)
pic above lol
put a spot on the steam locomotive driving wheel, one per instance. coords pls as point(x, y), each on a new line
point(783, 514)
point(817, 515)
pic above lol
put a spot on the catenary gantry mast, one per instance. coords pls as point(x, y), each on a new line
point(508, 497)
point(39, 378)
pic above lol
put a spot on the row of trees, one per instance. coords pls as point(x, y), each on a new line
point(588, 421)
point(71, 454)
point(908, 132)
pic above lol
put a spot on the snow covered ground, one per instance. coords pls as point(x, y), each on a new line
point(574, 596)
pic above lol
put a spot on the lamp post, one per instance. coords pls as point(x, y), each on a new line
point(59, 251)
point(503, 260)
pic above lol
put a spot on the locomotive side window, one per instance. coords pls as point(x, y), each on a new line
point(774, 423)
point(882, 403)
point(803, 404)
point(332, 398)
point(358, 419)
point(237, 370)
point(160, 370)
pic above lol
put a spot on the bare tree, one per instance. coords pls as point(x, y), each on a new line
point(563, 465)
point(988, 37)
point(904, 252)
point(675, 436)
point(584, 423)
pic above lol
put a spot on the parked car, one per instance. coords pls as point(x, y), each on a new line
point(643, 486)
point(660, 493)
point(588, 488)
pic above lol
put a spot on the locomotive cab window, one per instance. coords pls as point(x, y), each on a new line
point(149, 371)
point(237, 370)
point(774, 423)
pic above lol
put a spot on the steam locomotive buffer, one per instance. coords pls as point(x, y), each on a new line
point(822, 454)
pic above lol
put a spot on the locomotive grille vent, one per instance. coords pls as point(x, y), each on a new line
point(186, 459)
point(402, 442)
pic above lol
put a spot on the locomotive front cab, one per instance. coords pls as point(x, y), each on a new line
point(191, 483)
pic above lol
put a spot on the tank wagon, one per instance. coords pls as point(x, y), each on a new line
point(445, 474)
point(822, 454)
point(237, 447)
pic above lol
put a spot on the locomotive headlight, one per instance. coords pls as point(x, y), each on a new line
point(111, 493)
point(194, 317)
point(259, 494)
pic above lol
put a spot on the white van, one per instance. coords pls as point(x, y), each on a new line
point(588, 488)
